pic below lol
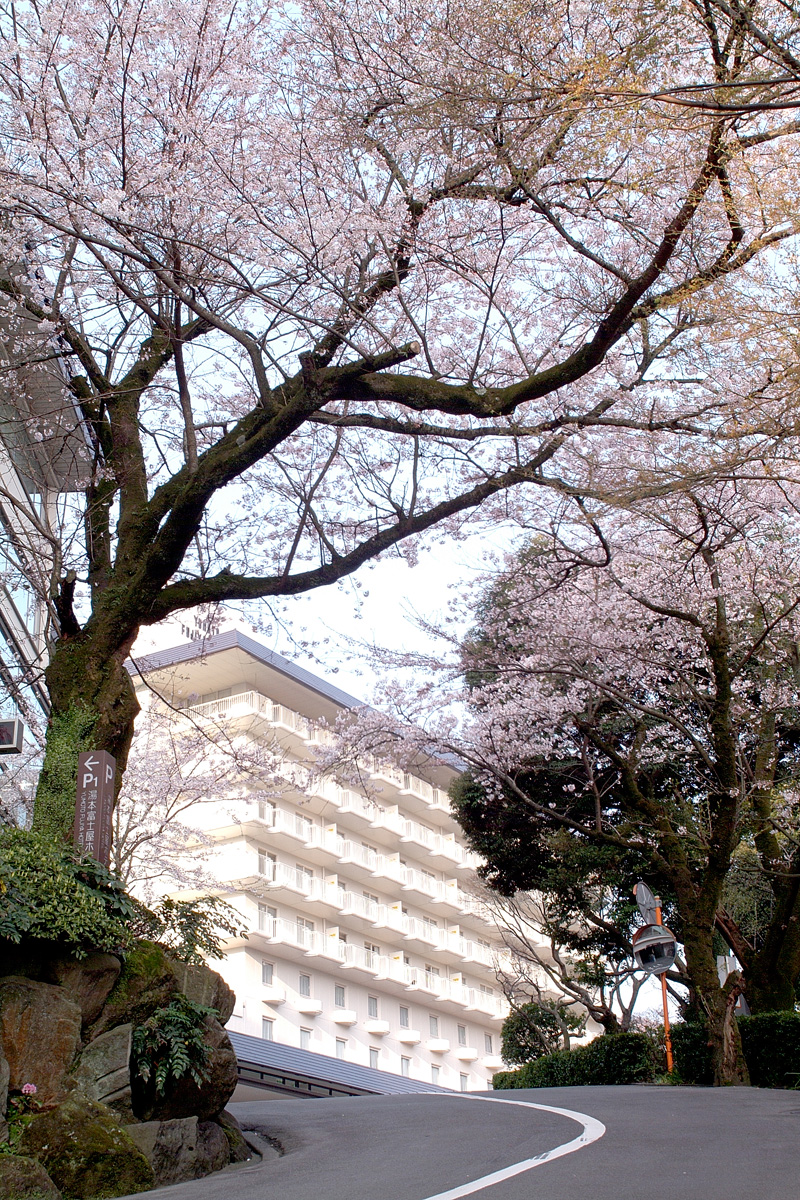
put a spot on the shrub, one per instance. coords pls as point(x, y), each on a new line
point(771, 1044)
point(51, 892)
point(170, 1045)
point(692, 1053)
point(533, 1030)
point(190, 930)
point(615, 1058)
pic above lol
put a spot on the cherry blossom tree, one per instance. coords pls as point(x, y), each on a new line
point(324, 278)
point(633, 685)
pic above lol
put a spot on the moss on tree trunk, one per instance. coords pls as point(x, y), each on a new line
point(93, 708)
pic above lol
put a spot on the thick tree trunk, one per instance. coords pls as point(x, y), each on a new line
point(93, 708)
point(717, 1005)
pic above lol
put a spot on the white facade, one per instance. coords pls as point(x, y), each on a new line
point(363, 943)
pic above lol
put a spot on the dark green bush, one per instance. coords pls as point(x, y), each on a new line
point(619, 1058)
point(533, 1030)
point(771, 1044)
point(692, 1053)
point(51, 892)
point(190, 930)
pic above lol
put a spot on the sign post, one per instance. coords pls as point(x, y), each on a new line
point(94, 804)
point(654, 947)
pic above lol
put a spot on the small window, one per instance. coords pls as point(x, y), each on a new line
point(405, 1020)
point(266, 811)
point(464, 1082)
point(304, 986)
point(266, 864)
point(372, 1007)
point(435, 1074)
point(487, 1043)
point(373, 1057)
point(338, 996)
point(462, 1035)
point(267, 916)
point(341, 1046)
point(267, 973)
point(434, 1026)
point(267, 1029)
point(305, 1039)
point(405, 1066)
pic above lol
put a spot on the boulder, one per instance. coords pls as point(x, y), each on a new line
point(239, 1149)
point(40, 1030)
point(24, 1178)
point(4, 1076)
point(147, 982)
point(87, 980)
point(86, 1152)
point(103, 1070)
point(204, 986)
point(186, 1099)
point(213, 1151)
point(181, 1149)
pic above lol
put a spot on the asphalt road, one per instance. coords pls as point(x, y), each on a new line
point(659, 1143)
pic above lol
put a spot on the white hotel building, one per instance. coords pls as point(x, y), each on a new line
point(363, 943)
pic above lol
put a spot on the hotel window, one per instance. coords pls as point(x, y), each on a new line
point(487, 991)
point(372, 1007)
point(267, 973)
point(462, 1035)
point(487, 1043)
point(341, 1046)
point(338, 996)
point(305, 931)
point(405, 1066)
point(267, 1027)
point(371, 954)
point(304, 985)
point(369, 854)
point(305, 1039)
point(304, 878)
point(434, 1026)
point(266, 811)
point(373, 1057)
point(267, 916)
point(435, 1074)
point(266, 864)
point(464, 1081)
point(404, 1017)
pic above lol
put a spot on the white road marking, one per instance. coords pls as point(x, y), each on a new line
point(592, 1131)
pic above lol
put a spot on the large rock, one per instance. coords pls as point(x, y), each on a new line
point(204, 986)
point(4, 1077)
point(237, 1145)
point(24, 1178)
point(103, 1070)
point(213, 1151)
point(147, 982)
point(186, 1099)
point(86, 1153)
point(40, 1029)
point(87, 980)
point(181, 1149)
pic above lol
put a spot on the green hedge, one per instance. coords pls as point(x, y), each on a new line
point(771, 1045)
point(692, 1053)
point(619, 1058)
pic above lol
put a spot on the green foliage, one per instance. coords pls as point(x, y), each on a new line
point(170, 1045)
point(51, 892)
point(534, 1029)
point(619, 1058)
point(771, 1045)
point(191, 930)
point(692, 1053)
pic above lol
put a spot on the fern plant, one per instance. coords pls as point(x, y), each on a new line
point(170, 1046)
